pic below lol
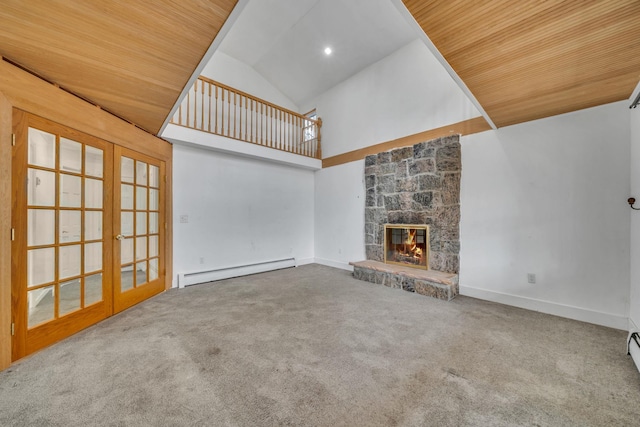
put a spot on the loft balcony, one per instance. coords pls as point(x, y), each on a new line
point(218, 110)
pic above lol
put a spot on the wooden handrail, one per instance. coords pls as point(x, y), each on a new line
point(219, 109)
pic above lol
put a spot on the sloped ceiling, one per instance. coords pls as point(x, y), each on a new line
point(287, 48)
point(524, 60)
point(131, 57)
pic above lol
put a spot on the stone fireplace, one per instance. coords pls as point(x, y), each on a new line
point(420, 186)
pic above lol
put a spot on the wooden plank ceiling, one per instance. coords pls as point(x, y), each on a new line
point(524, 60)
point(131, 57)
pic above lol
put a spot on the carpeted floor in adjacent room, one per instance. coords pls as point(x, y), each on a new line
point(311, 346)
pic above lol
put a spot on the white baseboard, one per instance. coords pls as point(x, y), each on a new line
point(334, 264)
point(570, 312)
point(197, 277)
point(304, 261)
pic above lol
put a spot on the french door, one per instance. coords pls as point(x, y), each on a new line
point(139, 227)
point(84, 247)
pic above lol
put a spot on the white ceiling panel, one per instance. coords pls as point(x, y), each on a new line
point(287, 49)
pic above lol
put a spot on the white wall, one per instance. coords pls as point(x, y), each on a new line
point(239, 210)
point(549, 197)
point(405, 93)
point(231, 72)
point(339, 214)
point(634, 308)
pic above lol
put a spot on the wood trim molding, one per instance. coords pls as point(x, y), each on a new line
point(6, 115)
point(466, 127)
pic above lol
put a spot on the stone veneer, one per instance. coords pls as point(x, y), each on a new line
point(416, 185)
point(431, 283)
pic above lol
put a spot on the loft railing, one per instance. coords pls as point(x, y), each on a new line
point(222, 110)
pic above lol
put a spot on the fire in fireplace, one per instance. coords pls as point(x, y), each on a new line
point(407, 244)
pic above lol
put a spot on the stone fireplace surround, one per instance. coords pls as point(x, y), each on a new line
point(415, 185)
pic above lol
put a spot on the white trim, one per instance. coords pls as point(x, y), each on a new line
point(570, 312)
point(231, 19)
point(427, 41)
point(305, 261)
point(197, 277)
point(635, 93)
point(334, 264)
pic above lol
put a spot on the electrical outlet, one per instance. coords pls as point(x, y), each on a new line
point(531, 278)
point(184, 219)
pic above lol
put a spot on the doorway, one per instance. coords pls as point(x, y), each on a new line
point(87, 216)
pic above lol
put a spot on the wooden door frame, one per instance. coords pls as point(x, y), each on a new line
point(28, 340)
point(122, 301)
point(19, 89)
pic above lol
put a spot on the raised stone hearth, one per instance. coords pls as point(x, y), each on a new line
point(431, 283)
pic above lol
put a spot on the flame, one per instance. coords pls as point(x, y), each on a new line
point(414, 250)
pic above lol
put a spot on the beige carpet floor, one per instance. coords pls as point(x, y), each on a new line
point(312, 346)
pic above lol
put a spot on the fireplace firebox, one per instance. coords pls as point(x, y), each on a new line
point(407, 244)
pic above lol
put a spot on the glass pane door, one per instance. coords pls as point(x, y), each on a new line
point(62, 276)
point(64, 226)
point(138, 217)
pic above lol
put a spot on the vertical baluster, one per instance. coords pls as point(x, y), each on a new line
point(307, 147)
point(188, 105)
point(240, 117)
point(298, 135)
point(270, 122)
point(290, 132)
point(195, 105)
point(246, 118)
point(286, 131)
point(215, 123)
point(269, 127)
point(210, 110)
point(222, 111)
point(235, 114)
point(229, 129)
point(280, 123)
point(201, 84)
point(251, 128)
point(283, 146)
point(295, 134)
point(259, 122)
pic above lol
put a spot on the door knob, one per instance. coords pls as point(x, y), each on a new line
point(120, 237)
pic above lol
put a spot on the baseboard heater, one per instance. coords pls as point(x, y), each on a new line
point(633, 348)
point(188, 279)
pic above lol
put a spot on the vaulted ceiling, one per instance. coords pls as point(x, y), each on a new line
point(522, 60)
point(287, 49)
point(132, 58)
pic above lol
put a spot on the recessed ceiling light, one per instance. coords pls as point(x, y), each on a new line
point(327, 50)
